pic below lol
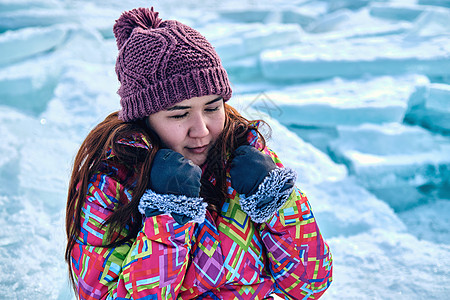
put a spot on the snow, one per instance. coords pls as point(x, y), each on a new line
point(380, 264)
point(360, 210)
point(429, 222)
point(357, 95)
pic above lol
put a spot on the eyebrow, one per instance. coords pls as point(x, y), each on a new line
point(179, 107)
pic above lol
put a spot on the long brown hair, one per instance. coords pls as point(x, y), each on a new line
point(126, 221)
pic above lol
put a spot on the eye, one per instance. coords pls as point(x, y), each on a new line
point(179, 116)
point(212, 109)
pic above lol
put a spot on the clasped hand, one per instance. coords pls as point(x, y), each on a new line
point(173, 174)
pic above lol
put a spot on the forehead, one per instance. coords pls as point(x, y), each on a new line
point(203, 100)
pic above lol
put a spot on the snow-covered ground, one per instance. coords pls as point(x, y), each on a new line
point(357, 94)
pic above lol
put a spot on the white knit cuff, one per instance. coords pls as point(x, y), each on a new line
point(272, 187)
point(192, 207)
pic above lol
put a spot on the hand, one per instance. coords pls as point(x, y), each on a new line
point(264, 187)
point(171, 173)
point(249, 168)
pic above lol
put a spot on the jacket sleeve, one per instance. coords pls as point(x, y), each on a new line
point(299, 259)
point(151, 266)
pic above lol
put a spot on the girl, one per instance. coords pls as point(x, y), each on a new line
point(176, 195)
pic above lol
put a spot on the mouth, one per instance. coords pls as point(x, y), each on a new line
point(198, 150)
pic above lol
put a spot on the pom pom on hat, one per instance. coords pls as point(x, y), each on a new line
point(139, 17)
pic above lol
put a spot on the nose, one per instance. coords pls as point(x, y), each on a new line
point(199, 127)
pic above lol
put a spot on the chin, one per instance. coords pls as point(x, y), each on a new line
point(198, 160)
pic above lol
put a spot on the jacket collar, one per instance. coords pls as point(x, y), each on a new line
point(136, 140)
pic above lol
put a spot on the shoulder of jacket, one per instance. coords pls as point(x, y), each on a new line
point(253, 136)
point(135, 140)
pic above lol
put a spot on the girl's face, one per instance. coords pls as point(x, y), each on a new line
point(190, 127)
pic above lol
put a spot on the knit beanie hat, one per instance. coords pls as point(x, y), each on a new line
point(161, 63)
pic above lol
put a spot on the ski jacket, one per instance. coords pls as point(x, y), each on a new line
point(227, 256)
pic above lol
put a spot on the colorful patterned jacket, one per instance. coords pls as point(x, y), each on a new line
point(227, 256)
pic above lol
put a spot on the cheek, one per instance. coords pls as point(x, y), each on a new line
point(218, 126)
point(173, 136)
point(167, 132)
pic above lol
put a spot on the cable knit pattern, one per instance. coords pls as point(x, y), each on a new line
point(161, 63)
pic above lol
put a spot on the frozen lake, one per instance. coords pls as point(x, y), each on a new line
point(357, 94)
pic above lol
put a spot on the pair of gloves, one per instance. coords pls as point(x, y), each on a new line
point(175, 186)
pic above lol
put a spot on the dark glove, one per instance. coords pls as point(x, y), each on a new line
point(171, 173)
point(175, 188)
point(264, 187)
point(249, 168)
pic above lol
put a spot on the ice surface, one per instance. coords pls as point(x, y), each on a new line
point(349, 4)
point(357, 57)
point(394, 161)
point(251, 38)
point(246, 15)
point(312, 166)
point(439, 98)
point(299, 16)
point(271, 37)
point(20, 44)
point(445, 3)
point(29, 85)
point(430, 119)
point(39, 17)
point(396, 11)
point(361, 24)
point(14, 5)
point(387, 139)
point(429, 107)
point(329, 22)
point(339, 102)
point(384, 209)
point(430, 23)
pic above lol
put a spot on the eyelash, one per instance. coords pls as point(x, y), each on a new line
point(179, 116)
point(185, 114)
point(212, 109)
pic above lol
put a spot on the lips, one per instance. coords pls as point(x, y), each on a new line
point(198, 150)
